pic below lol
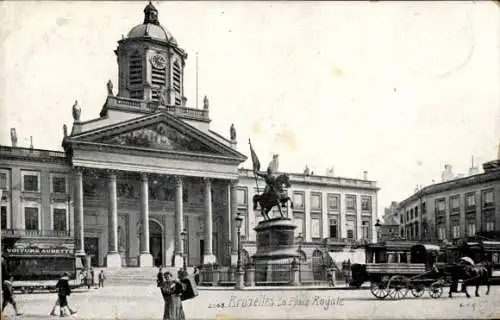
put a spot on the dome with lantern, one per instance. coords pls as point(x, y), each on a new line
point(151, 27)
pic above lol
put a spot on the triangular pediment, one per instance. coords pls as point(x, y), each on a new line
point(158, 136)
point(161, 132)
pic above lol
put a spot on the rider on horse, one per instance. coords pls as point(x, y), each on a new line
point(270, 181)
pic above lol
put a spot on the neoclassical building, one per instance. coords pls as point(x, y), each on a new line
point(148, 181)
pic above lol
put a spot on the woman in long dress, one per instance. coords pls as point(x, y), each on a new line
point(171, 291)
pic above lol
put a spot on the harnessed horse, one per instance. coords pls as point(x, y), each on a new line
point(477, 275)
point(274, 196)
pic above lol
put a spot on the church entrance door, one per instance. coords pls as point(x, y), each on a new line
point(156, 242)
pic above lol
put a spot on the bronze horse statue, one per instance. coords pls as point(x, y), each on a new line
point(273, 196)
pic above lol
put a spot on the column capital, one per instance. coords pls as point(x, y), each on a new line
point(207, 180)
point(233, 183)
point(111, 175)
point(144, 176)
point(178, 181)
point(78, 170)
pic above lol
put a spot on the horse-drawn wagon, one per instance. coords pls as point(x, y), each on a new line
point(395, 280)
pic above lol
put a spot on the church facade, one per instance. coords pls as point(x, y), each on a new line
point(149, 183)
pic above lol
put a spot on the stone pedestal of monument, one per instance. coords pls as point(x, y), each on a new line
point(275, 250)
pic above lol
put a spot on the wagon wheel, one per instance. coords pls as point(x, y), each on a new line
point(418, 290)
point(398, 287)
point(436, 290)
point(380, 289)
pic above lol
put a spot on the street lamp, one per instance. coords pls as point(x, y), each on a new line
point(239, 221)
point(183, 238)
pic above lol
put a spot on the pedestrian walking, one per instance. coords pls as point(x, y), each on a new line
point(8, 295)
point(92, 275)
point(331, 277)
point(171, 291)
point(63, 291)
point(196, 274)
point(83, 279)
point(102, 277)
point(159, 278)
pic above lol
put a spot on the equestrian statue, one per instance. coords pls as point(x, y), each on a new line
point(274, 193)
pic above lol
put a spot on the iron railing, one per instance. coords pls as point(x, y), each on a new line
point(277, 273)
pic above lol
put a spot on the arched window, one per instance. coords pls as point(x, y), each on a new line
point(317, 264)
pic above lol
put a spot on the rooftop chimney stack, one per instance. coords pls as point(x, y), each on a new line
point(31, 142)
point(498, 154)
point(473, 169)
point(13, 137)
point(447, 174)
point(365, 175)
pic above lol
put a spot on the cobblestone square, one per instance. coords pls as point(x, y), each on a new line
point(145, 302)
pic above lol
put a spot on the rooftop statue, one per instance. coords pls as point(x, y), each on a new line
point(205, 103)
point(110, 88)
point(76, 111)
point(232, 132)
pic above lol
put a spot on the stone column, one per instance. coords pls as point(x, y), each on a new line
point(234, 231)
point(228, 231)
point(179, 223)
point(208, 256)
point(78, 212)
point(113, 258)
point(399, 257)
point(145, 257)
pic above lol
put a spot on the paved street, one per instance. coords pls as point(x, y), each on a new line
point(146, 303)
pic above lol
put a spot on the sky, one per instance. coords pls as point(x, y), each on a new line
point(398, 89)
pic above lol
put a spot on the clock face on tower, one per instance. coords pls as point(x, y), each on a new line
point(158, 61)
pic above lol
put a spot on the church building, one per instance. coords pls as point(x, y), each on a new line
point(148, 182)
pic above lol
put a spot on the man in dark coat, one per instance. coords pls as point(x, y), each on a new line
point(8, 295)
point(63, 291)
point(196, 274)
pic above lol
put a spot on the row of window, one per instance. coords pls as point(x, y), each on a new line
point(30, 181)
point(454, 205)
point(412, 230)
point(32, 218)
point(413, 213)
point(470, 201)
point(333, 229)
point(333, 201)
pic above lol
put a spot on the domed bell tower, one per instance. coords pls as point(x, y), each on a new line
point(150, 63)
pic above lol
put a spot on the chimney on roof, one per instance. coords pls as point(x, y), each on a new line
point(31, 142)
point(13, 137)
point(498, 154)
point(473, 169)
point(447, 174)
point(365, 175)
